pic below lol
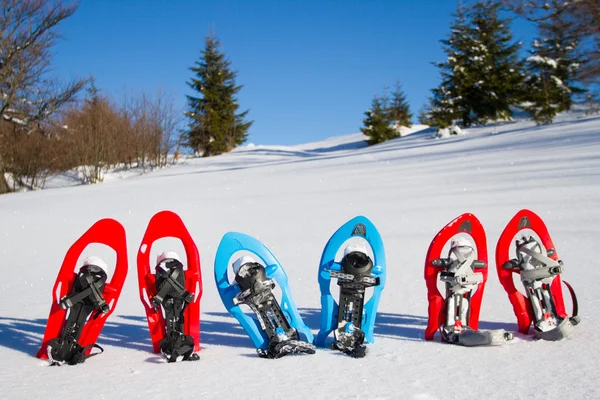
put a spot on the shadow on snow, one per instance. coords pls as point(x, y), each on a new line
point(216, 328)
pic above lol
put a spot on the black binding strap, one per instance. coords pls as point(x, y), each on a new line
point(94, 288)
point(171, 284)
point(575, 319)
point(174, 298)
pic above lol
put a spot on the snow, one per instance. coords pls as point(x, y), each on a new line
point(543, 60)
point(293, 198)
point(445, 133)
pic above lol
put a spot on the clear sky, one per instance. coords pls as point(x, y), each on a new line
point(309, 68)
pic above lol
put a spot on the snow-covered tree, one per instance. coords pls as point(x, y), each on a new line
point(481, 77)
point(552, 69)
point(578, 19)
point(377, 123)
point(215, 126)
point(450, 99)
point(498, 72)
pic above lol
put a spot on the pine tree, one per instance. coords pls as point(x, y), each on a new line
point(399, 109)
point(450, 100)
point(215, 126)
point(424, 117)
point(552, 69)
point(498, 73)
point(481, 77)
point(376, 123)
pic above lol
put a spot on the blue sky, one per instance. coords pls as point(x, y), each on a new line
point(309, 68)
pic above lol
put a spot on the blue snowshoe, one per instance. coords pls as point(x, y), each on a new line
point(350, 319)
point(276, 330)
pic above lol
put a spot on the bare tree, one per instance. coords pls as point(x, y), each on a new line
point(29, 97)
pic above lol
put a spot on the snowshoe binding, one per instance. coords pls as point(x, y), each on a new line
point(459, 273)
point(537, 273)
point(540, 269)
point(354, 277)
point(173, 297)
point(256, 292)
point(85, 301)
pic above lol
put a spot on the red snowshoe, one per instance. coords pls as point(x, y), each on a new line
point(456, 315)
point(539, 268)
point(171, 295)
point(83, 301)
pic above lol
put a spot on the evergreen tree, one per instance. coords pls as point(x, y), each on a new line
point(376, 123)
point(445, 109)
point(552, 69)
point(399, 109)
point(498, 76)
point(481, 77)
point(450, 100)
point(425, 113)
point(215, 126)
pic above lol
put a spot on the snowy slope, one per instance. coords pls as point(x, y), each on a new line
point(293, 199)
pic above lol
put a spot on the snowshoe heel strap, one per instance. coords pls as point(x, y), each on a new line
point(574, 319)
point(283, 348)
point(178, 346)
point(67, 350)
point(565, 327)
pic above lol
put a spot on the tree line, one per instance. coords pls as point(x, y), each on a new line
point(484, 78)
point(48, 126)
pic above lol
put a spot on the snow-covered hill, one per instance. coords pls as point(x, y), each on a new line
point(293, 199)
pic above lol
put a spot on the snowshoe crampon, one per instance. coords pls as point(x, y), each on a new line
point(171, 295)
point(540, 270)
point(464, 274)
point(351, 320)
point(277, 328)
point(83, 301)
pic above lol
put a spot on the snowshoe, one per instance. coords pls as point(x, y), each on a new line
point(456, 315)
point(83, 300)
point(350, 319)
point(277, 329)
point(171, 295)
point(539, 268)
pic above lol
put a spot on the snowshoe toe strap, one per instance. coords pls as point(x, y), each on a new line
point(93, 290)
point(170, 286)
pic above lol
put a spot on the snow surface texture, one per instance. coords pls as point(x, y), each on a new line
point(293, 199)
